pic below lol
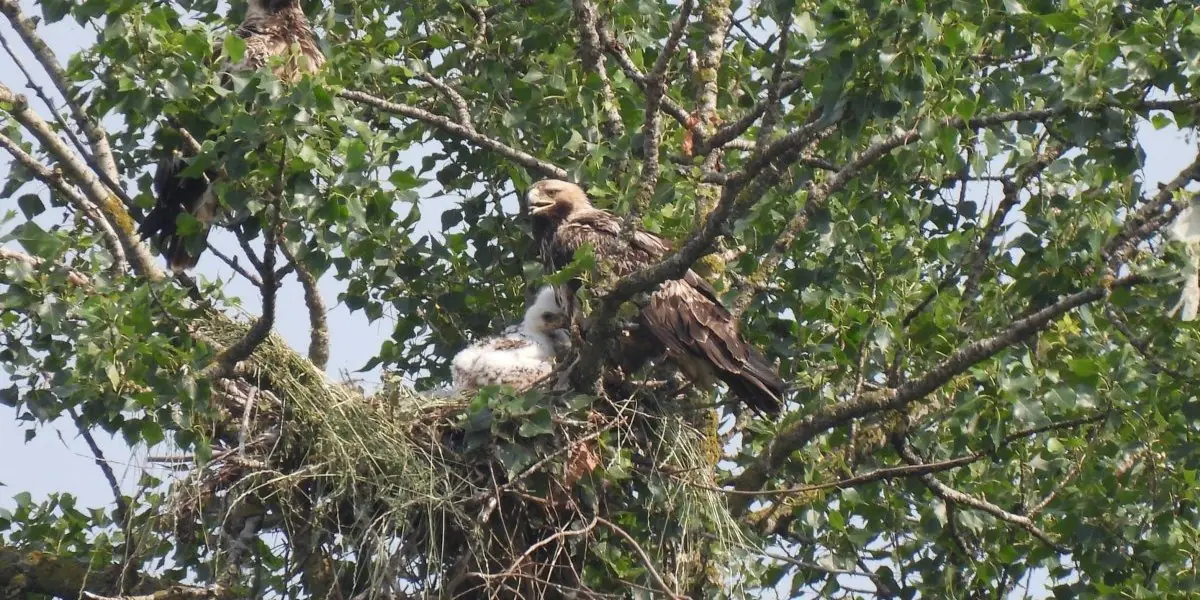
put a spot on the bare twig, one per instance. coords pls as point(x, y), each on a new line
point(445, 125)
point(98, 456)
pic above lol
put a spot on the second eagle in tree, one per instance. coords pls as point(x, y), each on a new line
point(270, 29)
point(684, 317)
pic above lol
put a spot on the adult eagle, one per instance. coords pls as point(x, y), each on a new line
point(684, 317)
point(520, 356)
point(270, 29)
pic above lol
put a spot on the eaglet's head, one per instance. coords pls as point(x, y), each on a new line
point(546, 313)
point(555, 198)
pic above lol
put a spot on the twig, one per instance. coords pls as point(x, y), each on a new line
point(911, 470)
point(646, 561)
point(444, 124)
point(952, 495)
point(98, 456)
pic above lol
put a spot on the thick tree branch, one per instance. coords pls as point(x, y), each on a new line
point(318, 345)
point(27, 29)
point(798, 434)
point(36, 572)
point(55, 180)
point(110, 208)
point(949, 494)
point(448, 126)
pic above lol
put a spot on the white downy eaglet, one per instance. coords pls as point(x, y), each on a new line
point(520, 356)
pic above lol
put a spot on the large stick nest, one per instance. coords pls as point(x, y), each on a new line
point(400, 493)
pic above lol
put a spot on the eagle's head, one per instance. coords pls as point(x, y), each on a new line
point(546, 313)
point(556, 199)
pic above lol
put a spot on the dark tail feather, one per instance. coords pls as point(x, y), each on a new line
point(175, 195)
point(758, 385)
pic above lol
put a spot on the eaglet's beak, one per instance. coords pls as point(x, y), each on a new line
point(538, 201)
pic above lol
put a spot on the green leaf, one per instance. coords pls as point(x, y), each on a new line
point(31, 205)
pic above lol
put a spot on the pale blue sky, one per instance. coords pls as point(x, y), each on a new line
point(57, 460)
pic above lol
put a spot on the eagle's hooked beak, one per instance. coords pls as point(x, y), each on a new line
point(538, 202)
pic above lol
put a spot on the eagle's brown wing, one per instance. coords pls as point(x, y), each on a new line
point(685, 315)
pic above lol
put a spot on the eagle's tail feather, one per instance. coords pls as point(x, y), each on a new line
point(175, 195)
point(757, 384)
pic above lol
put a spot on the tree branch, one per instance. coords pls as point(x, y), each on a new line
point(55, 180)
point(98, 456)
point(36, 572)
point(799, 433)
point(318, 345)
point(1150, 217)
point(27, 29)
point(949, 494)
point(646, 561)
point(110, 208)
point(461, 109)
point(655, 87)
point(587, 19)
point(445, 125)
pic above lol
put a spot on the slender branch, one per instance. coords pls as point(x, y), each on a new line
point(445, 125)
point(318, 345)
point(952, 495)
point(27, 29)
point(73, 277)
point(911, 470)
point(618, 52)
point(646, 561)
point(240, 350)
point(98, 456)
point(586, 18)
point(799, 433)
point(656, 85)
point(1012, 193)
point(1150, 217)
point(461, 109)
